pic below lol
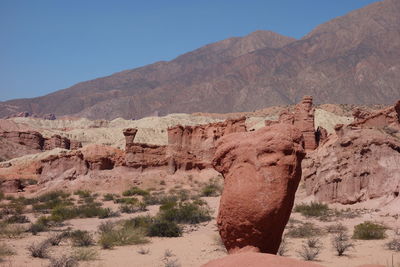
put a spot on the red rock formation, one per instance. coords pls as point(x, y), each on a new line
point(192, 147)
point(252, 259)
point(75, 145)
point(321, 134)
point(30, 139)
point(56, 141)
point(303, 118)
point(101, 157)
point(379, 118)
point(138, 155)
point(354, 165)
point(262, 170)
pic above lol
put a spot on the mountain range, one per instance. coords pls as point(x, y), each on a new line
point(353, 59)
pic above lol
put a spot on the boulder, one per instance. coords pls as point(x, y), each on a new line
point(262, 170)
point(31, 139)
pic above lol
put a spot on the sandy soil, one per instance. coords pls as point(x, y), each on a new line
point(200, 243)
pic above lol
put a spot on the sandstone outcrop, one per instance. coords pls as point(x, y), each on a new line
point(192, 147)
point(29, 142)
point(56, 141)
point(262, 170)
point(31, 139)
point(143, 156)
point(301, 117)
point(378, 119)
point(354, 165)
point(189, 147)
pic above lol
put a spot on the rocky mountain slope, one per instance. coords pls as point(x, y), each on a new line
point(351, 59)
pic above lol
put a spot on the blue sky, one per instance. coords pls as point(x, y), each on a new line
point(47, 45)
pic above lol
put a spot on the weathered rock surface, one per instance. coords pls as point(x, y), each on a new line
point(262, 170)
point(193, 147)
point(354, 165)
point(56, 141)
point(252, 259)
point(31, 139)
point(378, 119)
point(301, 117)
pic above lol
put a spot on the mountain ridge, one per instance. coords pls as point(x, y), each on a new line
point(350, 59)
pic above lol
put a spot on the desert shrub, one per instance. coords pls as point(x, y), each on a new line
point(336, 228)
point(132, 208)
point(14, 208)
point(135, 191)
point(394, 244)
point(56, 239)
point(17, 219)
point(5, 250)
point(341, 242)
point(164, 228)
point(62, 213)
point(160, 199)
point(83, 193)
point(313, 209)
point(126, 200)
point(51, 200)
point(85, 254)
point(63, 261)
point(51, 196)
point(109, 197)
point(369, 230)
point(120, 234)
point(184, 212)
point(304, 230)
point(81, 238)
point(42, 224)
point(1, 195)
point(11, 230)
point(310, 249)
point(212, 189)
point(39, 250)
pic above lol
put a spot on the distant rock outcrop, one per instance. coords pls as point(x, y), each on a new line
point(193, 147)
point(360, 162)
point(29, 142)
point(262, 170)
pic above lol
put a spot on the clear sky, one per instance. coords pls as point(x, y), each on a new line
point(47, 45)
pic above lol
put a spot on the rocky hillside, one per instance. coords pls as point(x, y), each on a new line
point(351, 59)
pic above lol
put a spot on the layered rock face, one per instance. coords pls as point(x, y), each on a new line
point(189, 147)
point(353, 166)
point(262, 170)
point(31, 139)
point(35, 142)
point(138, 155)
point(193, 147)
point(378, 119)
point(302, 117)
point(360, 162)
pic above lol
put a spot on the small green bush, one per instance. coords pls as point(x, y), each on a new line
point(17, 219)
point(313, 209)
point(81, 238)
point(184, 213)
point(85, 254)
point(109, 197)
point(64, 261)
point(5, 250)
point(39, 250)
point(164, 229)
point(304, 230)
point(11, 230)
point(120, 234)
point(211, 189)
point(368, 231)
point(126, 200)
point(83, 193)
point(135, 191)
